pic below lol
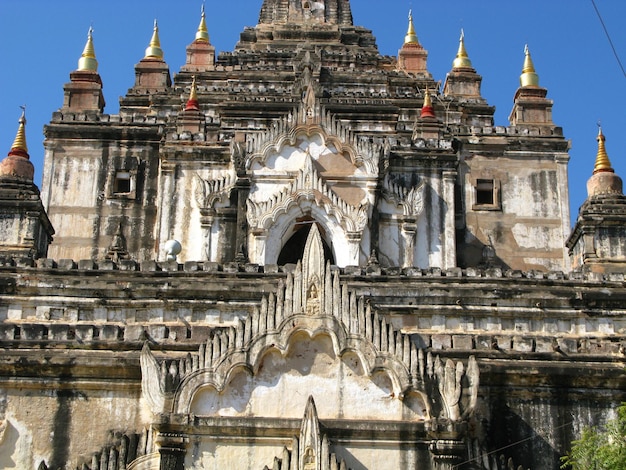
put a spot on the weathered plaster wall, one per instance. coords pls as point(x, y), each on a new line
point(526, 225)
point(214, 455)
point(79, 195)
point(281, 388)
point(59, 425)
point(540, 423)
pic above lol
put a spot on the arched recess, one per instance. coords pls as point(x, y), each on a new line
point(344, 250)
point(293, 248)
point(292, 331)
point(306, 172)
point(342, 382)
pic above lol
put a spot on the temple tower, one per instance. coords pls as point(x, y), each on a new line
point(25, 230)
point(598, 241)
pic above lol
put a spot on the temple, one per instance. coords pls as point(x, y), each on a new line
point(304, 255)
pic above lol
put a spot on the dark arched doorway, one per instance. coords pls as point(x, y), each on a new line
point(294, 248)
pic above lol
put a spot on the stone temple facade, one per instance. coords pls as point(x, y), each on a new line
point(302, 255)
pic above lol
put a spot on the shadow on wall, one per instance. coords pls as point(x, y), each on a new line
point(351, 461)
point(523, 444)
point(8, 443)
point(472, 253)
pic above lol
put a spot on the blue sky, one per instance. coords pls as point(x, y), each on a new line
point(41, 41)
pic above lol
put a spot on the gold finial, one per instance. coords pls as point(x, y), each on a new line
point(602, 159)
point(192, 102)
point(411, 37)
point(203, 33)
point(529, 76)
point(462, 60)
point(193, 96)
point(154, 50)
point(428, 102)
point(19, 144)
point(88, 60)
point(427, 109)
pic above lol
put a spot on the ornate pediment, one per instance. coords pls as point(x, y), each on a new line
point(308, 186)
point(362, 152)
point(264, 349)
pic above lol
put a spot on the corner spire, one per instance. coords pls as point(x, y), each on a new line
point(19, 146)
point(154, 50)
point(202, 35)
point(411, 36)
point(192, 102)
point(603, 164)
point(17, 163)
point(529, 76)
point(87, 61)
point(462, 60)
point(427, 109)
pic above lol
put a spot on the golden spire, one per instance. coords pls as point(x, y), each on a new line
point(529, 77)
point(194, 90)
point(87, 61)
point(19, 146)
point(411, 37)
point(428, 102)
point(192, 102)
point(427, 109)
point(602, 159)
point(203, 33)
point(462, 60)
point(154, 50)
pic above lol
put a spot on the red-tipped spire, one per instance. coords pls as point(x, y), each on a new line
point(427, 110)
point(192, 102)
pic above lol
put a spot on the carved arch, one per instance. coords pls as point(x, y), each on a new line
point(345, 317)
point(220, 376)
point(290, 138)
point(279, 231)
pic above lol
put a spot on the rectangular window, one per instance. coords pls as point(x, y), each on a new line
point(487, 195)
point(485, 192)
point(122, 183)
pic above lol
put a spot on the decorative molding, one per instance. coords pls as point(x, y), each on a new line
point(308, 185)
point(353, 326)
point(286, 131)
point(208, 192)
point(410, 198)
point(313, 273)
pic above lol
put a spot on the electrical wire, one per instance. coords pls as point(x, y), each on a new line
point(608, 36)
point(530, 438)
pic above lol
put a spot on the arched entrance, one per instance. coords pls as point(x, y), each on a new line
point(293, 249)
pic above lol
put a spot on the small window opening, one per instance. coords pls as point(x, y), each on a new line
point(122, 182)
point(485, 192)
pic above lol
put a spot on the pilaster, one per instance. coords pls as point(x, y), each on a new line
point(242, 189)
point(172, 450)
point(166, 191)
point(449, 178)
point(408, 231)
